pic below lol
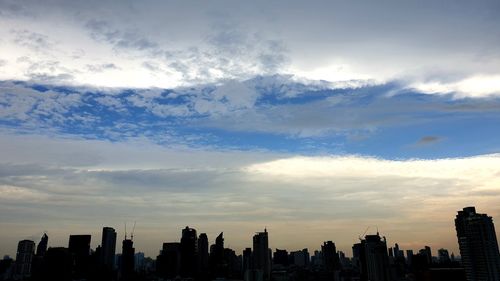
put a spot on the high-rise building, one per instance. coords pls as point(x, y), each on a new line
point(56, 265)
point(24, 257)
point(300, 258)
point(247, 260)
point(168, 263)
point(261, 257)
point(203, 258)
point(330, 256)
point(443, 256)
point(371, 258)
point(188, 252)
point(397, 252)
point(280, 257)
point(127, 267)
point(478, 245)
point(79, 247)
point(409, 256)
point(108, 247)
point(36, 264)
point(42, 246)
point(218, 263)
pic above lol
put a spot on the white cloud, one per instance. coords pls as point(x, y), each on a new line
point(471, 87)
point(221, 41)
point(484, 169)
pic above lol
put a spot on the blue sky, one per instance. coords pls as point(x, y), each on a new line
point(316, 118)
point(386, 120)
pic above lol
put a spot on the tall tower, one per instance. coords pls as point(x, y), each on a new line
point(478, 245)
point(188, 252)
point(108, 247)
point(24, 257)
point(261, 258)
point(128, 260)
point(330, 256)
point(371, 258)
point(217, 257)
point(79, 247)
point(203, 259)
point(42, 246)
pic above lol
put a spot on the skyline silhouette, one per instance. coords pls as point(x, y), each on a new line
point(372, 258)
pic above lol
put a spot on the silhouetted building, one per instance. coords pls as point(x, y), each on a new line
point(79, 247)
point(261, 257)
point(203, 257)
point(372, 259)
point(409, 255)
point(247, 261)
point(427, 253)
point(57, 264)
point(42, 246)
point(139, 262)
point(217, 261)
point(398, 252)
point(24, 257)
point(232, 264)
point(300, 258)
point(6, 267)
point(443, 256)
point(478, 245)
point(280, 257)
point(108, 247)
point(127, 267)
point(168, 263)
point(188, 252)
point(41, 249)
point(330, 256)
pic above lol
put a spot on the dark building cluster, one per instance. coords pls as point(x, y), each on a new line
point(193, 258)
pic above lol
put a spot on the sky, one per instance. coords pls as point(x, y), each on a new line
point(315, 119)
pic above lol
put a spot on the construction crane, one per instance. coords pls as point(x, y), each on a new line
point(366, 230)
point(132, 234)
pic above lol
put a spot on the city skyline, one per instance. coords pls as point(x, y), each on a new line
point(369, 232)
point(314, 120)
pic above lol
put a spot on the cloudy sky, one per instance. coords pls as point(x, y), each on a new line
point(315, 120)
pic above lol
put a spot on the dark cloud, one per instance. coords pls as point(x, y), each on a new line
point(48, 71)
point(101, 67)
point(101, 30)
point(427, 140)
point(33, 40)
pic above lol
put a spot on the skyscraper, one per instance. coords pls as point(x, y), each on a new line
point(127, 268)
point(261, 258)
point(79, 247)
point(108, 245)
point(42, 246)
point(218, 264)
point(24, 257)
point(371, 258)
point(188, 252)
point(443, 256)
point(478, 245)
point(247, 260)
point(203, 259)
point(330, 257)
point(168, 263)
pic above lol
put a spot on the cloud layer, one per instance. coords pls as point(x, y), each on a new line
point(64, 191)
point(439, 47)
